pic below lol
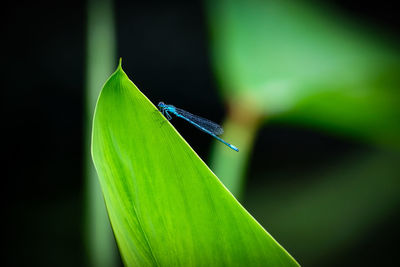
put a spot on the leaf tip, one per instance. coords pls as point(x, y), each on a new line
point(120, 64)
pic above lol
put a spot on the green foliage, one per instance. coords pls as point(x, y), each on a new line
point(307, 65)
point(165, 205)
point(345, 203)
point(100, 60)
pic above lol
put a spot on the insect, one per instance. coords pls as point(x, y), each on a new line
point(203, 124)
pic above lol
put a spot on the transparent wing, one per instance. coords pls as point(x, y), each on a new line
point(202, 122)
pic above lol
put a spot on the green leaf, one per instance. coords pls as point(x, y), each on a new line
point(360, 190)
point(304, 63)
point(165, 205)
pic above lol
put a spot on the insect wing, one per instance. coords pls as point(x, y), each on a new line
point(202, 122)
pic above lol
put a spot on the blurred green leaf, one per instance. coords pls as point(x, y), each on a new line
point(165, 205)
point(344, 203)
point(308, 64)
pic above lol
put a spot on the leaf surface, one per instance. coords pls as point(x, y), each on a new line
point(165, 205)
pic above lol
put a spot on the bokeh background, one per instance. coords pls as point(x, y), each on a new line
point(308, 90)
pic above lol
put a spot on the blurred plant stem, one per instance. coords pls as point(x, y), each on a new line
point(294, 60)
point(100, 62)
point(241, 127)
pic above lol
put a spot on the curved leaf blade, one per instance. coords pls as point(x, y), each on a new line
point(165, 205)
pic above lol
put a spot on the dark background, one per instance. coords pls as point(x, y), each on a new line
point(164, 47)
